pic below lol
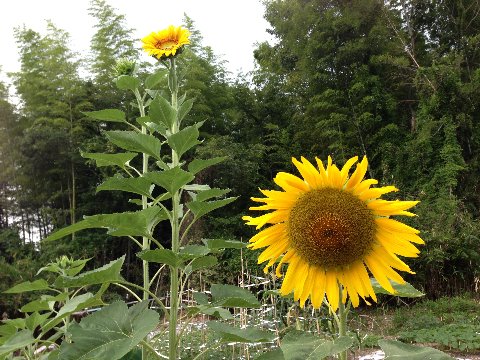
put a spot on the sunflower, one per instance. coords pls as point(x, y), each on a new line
point(330, 228)
point(166, 42)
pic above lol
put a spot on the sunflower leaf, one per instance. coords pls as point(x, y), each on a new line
point(109, 333)
point(102, 159)
point(198, 165)
point(247, 335)
point(40, 284)
point(111, 115)
point(184, 140)
point(161, 112)
point(138, 185)
point(171, 180)
point(300, 345)
point(126, 82)
point(200, 208)
point(133, 141)
point(233, 296)
point(396, 350)
point(401, 290)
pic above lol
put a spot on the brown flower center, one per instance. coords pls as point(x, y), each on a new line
point(166, 45)
point(331, 228)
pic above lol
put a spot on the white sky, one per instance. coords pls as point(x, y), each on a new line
point(230, 27)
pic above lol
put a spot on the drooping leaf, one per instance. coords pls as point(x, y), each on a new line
point(155, 78)
point(200, 208)
point(134, 141)
point(18, 341)
point(184, 109)
point(402, 290)
point(102, 159)
point(161, 256)
point(110, 333)
point(247, 335)
point(198, 165)
point(171, 180)
point(233, 296)
point(301, 345)
point(107, 273)
point(161, 112)
point(26, 286)
point(127, 82)
point(139, 223)
point(216, 244)
point(138, 185)
point(201, 263)
point(111, 115)
point(211, 193)
point(184, 140)
point(400, 351)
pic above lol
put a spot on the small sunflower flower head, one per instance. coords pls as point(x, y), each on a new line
point(333, 230)
point(166, 43)
point(125, 66)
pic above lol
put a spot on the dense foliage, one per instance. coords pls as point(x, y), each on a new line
point(397, 81)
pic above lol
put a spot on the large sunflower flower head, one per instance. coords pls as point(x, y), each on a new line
point(167, 42)
point(332, 229)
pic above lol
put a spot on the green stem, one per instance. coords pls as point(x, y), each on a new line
point(174, 278)
point(342, 323)
point(151, 349)
point(145, 240)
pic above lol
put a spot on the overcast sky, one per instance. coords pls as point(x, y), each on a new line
point(230, 27)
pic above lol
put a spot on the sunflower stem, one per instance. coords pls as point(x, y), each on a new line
point(174, 278)
point(342, 323)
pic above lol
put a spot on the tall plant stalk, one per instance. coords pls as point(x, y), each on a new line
point(174, 278)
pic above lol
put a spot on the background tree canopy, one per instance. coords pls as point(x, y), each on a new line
point(398, 81)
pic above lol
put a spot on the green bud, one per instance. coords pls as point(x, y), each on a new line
point(125, 66)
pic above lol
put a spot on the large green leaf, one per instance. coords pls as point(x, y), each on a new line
point(276, 354)
point(233, 296)
point(184, 109)
point(201, 263)
point(198, 165)
point(193, 251)
point(107, 273)
point(155, 78)
point(134, 141)
point(200, 208)
point(210, 310)
point(402, 290)
point(161, 112)
point(210, 193)
point(110, 333)
point(45, 302)
point(35, 319)
point(139, 223)
point(216, 244)
point(126, 82)
point(300, 345)
point(102, 159)
point(138, 185)
point(171, 180)
point(111, 115)
point(162, 256)
point(28, 286)
point(396, 350)
point(184, 140)
point(247, 335)
point(74, 304)
point(18, 341)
